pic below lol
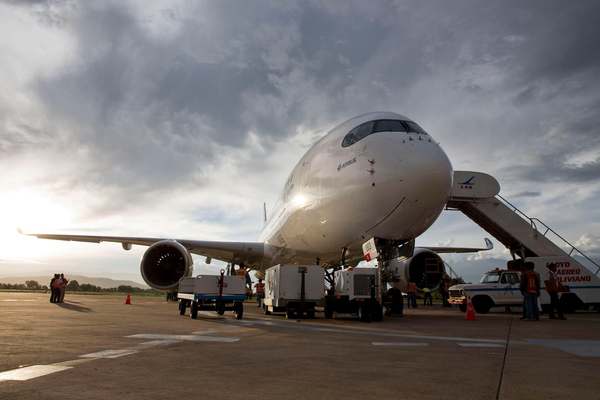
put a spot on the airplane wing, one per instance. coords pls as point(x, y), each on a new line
point(488, 246)
point(251, 253)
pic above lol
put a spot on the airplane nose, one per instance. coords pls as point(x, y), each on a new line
point(425, 174)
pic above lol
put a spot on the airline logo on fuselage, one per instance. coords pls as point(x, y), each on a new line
point(468, 184)
point(344, 165)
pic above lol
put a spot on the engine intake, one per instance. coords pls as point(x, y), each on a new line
point(164, 263)
point(425, 268)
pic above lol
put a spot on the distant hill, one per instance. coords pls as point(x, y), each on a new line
point(100, 282)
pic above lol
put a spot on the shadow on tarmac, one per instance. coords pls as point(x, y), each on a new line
point(73, 307)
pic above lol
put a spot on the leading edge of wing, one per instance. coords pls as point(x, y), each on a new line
point(236, 252)
point(488, 246)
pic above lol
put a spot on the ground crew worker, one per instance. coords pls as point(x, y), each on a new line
point(52, 286)
point(63, 288)
point(260, 292)
point(553, 287)
point(411, 295)
point(447, 292)
point(427, 296)
point(530, 288)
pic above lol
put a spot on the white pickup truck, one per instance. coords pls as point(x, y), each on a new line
point(501, 287)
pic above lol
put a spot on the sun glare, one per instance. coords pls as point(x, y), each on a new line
point(32, 212)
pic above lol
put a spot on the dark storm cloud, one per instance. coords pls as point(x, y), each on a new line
point(149, 97)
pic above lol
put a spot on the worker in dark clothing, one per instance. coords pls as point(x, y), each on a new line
point(553, 287)
point(530, 288)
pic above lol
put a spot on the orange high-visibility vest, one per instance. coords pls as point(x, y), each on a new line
point(531, 286)
point(260, 288)
point(552, 285)
point(412, 288)
point(241, 272)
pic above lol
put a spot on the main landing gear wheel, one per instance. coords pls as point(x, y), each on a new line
point(239, 309)
point(194, 310)
point(182, 307)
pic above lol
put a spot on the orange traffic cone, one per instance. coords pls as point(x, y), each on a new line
point(470, 311)
point(128, 301)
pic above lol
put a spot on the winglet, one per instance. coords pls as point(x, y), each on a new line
point(488, 244)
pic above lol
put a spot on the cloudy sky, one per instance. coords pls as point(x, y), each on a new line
point(180, 118)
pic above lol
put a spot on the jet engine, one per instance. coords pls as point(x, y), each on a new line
point(164, 263)
point(425, 268)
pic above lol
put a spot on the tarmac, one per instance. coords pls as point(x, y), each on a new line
point(96, 347)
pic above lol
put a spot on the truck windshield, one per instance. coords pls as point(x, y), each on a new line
point(491, 277)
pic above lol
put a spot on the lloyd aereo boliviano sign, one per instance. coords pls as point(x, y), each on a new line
point(370, 250)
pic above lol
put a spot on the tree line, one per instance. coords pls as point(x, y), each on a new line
point(74, 286)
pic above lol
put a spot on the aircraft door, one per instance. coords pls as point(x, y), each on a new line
point(306, 161)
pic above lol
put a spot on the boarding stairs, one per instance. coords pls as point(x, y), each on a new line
point(523, 236)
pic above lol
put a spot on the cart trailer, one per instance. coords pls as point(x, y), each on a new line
point(294, 289)
point(355, 293)
point(217, 293)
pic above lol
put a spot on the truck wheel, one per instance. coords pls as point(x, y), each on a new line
point(482, 305)
point(289, 314)
point(376, 313)
point(462, 307)
point(239, 309)
point(182, 307)
point(310, 314)
point(363, 312)
point(194, 310)
point(329, 311)
point(266, 310)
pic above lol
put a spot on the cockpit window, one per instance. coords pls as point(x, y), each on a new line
point(389, 126)
point(384, 125)
point(348, 140)
point(412, 127)
point(365, 130)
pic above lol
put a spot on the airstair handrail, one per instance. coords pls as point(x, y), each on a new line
point(533, 221)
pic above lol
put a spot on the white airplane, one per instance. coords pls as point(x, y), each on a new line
point(378, 175)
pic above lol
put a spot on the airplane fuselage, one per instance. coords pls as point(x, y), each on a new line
point(389, 184)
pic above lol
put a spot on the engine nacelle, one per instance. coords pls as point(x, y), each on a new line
point(164, 263)
point(425, 268)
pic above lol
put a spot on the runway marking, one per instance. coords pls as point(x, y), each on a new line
point(34, 371)
point(192, 338)
point(110, 354)
point(584, 348)
point(374, 333)
point(402, 344)
point(480, 345)
point(161, 342)
point(204, 332)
